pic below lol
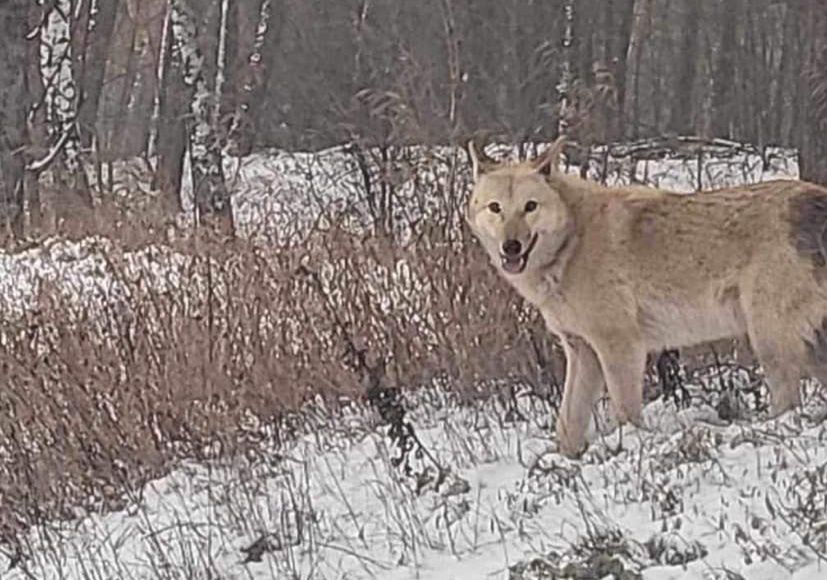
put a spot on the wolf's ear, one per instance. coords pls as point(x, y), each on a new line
point(480, 162)
point(549, 160)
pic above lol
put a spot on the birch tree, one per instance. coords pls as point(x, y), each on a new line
point(61, 95)
point(564, 86)
point(198, 34)
point(254, 35)
point(37, 136)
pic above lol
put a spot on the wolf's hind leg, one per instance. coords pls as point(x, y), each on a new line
point(783, 380)
point(816, 349)
point(584, 384)
point(782, 354)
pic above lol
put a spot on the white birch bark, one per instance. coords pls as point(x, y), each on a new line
point(210, 191)
point(160, 71)
point(261, 31)
point(254, 63)
point(221, 63)
point(564, 86)
point(59, 79)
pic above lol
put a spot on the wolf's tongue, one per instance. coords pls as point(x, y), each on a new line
point(513, 265)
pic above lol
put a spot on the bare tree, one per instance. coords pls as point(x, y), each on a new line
point(206, 76)
point(813, 141)
point(641, 24)
point(36, 123)
point(680, 119)
point(452, 46)
point(252, 42)
point(13, 109)
point(170, 130)
point(57, 67)
point(91, 60)
point(724, 79)
point(198, 31)
point(564, 87)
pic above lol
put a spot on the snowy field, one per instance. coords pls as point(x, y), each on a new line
point(689, 497)
point(277, 193)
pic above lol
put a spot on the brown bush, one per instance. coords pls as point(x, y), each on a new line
point(209, 350)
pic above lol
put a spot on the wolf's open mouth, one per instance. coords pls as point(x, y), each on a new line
point(516, 264)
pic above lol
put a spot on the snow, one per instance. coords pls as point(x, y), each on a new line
point(687, 497)
point(302, 185)
point(278, 194)
point(332, 505)
point(89, 273)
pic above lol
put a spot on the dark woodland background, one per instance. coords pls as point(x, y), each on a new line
point(150, 77)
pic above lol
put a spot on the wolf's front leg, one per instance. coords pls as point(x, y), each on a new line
point(623, 361)
point(584, 384)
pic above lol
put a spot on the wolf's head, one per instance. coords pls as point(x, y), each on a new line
point(515, 211)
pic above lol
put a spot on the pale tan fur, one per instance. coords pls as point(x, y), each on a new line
point(620, 272)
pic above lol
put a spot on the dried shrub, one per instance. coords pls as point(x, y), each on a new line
point(208, 348)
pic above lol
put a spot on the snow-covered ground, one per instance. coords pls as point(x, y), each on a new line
point(304, 184)
point(688, 497)
point(277, 193)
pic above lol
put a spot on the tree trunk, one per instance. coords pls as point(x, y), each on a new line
point(121, 139)
point(813, 152)
point(564, 86)
point(101, 24)
point(197, 33)
point(620, 51)
point(171, 130)
point(724, 83)
point(57, 68)
point(37, 130)
point(789, 78)
point(641, 21)
point(256, 33)
point(268, 37)
point(680, 118)
point(13, 109)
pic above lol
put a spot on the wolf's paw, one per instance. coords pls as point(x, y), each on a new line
point(570, 448)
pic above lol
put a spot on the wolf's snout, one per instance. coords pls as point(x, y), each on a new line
point(512, 248)
point(514, 256)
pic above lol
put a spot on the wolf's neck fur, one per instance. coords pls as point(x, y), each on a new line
point(544, 284)
point(565, 245)
point(575, 193)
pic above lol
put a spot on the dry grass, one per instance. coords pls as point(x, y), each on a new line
point(206, 349)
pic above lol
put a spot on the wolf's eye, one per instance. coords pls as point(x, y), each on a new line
point(494, 207)
point(530, 206)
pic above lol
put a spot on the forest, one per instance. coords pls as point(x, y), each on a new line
point(249, 329)
point(85, 83)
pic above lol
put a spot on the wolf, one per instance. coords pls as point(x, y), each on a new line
point(618, 272)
